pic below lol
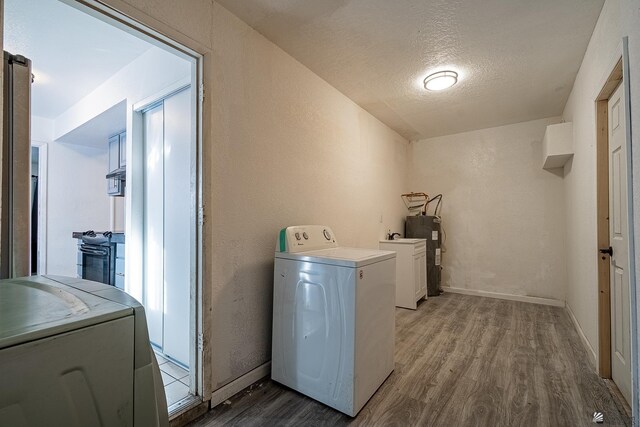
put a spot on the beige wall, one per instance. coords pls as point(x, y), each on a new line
point(67, 209)
point(502, 213)
point(284, 148)
point(580, 174)
point(250, 132)
point(288, 149)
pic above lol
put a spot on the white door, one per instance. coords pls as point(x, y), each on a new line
point(618, 226)
point(168, 255)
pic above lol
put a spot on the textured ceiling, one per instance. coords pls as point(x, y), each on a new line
point(71, 52)
point(517, 58)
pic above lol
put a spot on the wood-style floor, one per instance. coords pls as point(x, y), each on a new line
point(460, 361)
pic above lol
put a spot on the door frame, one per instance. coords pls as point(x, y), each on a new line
point(122, 15)
point(602, 203)
point(618, 76)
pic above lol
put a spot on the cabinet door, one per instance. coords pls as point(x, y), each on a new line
point(123, 150)
point(423, 274)
point(417, 276)
point(114, 153)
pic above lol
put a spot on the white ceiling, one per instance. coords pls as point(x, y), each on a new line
point(93, 51)
point(517, 58)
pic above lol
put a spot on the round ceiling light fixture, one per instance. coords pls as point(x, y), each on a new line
point(440, 80)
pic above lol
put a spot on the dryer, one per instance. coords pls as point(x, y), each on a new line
point(333, 317)
point(75, 352)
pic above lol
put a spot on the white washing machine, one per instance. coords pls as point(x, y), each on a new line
point(333, 317)
point(76, 353)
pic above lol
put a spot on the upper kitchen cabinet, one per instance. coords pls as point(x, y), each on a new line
point(123, 150)
point(114, 153)
point(117, 164)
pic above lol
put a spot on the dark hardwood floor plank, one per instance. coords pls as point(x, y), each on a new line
point(460, 361)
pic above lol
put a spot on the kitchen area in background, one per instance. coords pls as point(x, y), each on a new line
point(95, 90)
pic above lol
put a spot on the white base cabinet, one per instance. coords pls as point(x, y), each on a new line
point(411, 270)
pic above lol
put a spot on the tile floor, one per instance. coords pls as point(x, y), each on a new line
point(175, 379)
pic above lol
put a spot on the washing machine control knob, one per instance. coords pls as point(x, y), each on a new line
point(326, 234)
point(305, 235)
point(297, 236)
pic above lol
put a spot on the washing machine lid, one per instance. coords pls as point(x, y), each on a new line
point(33, 308)
point(340, 256)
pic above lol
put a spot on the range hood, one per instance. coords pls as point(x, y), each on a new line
point(119, 173)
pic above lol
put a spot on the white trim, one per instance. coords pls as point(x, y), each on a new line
point(165, 93)
point(593, 358)
point(510, 297)
point(635, 387)
point(614, 57)
point(43, 156)
point(239, 384)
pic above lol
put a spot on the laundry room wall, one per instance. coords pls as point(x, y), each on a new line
point(284, 148)
point(602, 53)
point(501, 212)
point(290, 149)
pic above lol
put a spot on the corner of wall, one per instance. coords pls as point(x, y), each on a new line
point(591, 353)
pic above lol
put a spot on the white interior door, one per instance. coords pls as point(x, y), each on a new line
point(618, 226)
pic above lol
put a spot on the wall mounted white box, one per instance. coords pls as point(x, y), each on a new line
point(557, 145)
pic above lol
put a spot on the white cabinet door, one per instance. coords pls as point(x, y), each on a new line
point(423, 274)
point(417, 275)
point(420, 275)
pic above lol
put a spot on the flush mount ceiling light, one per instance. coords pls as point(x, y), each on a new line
point(440, 80)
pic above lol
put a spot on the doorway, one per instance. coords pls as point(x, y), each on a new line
point(39, 158)
point(84, 139)
point(614, 303)
point(34, 210)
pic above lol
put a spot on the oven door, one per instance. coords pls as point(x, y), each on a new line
point(96, 263)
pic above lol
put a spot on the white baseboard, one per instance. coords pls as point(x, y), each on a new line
point(239, 384)
point(587, 345)
point(510, 297)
